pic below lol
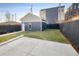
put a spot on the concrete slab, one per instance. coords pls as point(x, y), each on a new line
point(54, 48)
point(35, 47)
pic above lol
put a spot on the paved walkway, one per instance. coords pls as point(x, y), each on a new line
point(35, 47)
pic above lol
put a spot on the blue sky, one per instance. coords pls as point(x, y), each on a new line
point(23, 8)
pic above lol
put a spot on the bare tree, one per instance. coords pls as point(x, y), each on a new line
point(15, 17)
point(7, 15)
point(12, 17)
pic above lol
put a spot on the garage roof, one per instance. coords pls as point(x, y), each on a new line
point(30, 17)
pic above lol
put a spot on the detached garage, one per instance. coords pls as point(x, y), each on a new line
point(31, 22)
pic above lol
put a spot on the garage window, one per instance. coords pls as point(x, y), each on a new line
point(30, 26)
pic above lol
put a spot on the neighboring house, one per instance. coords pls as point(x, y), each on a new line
point(72, 11)
point(31, 22)
point(52, 15)
point(10, 26)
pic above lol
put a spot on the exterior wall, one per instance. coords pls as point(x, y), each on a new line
point(36, 26)
point(61, 14)
point(71, 31)
point(43, 15)
point(52, 15)
point(49, 15)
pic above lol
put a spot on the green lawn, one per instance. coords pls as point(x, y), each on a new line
point(7, 37)
point(50, 34)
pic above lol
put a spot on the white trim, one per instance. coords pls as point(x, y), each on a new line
point(23, 26)
point(40, 26)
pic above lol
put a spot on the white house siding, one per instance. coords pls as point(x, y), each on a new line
point(61, 14)
point(43, 15)
point(36, 26)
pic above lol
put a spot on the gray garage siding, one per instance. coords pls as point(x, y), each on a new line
point(71, 31)
point(36, 26)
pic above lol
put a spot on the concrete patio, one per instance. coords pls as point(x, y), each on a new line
point(35, 47)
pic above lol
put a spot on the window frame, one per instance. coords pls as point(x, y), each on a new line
point(30, 26)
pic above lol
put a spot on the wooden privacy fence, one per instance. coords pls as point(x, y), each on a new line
point(9, 28)
point(71, 31)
